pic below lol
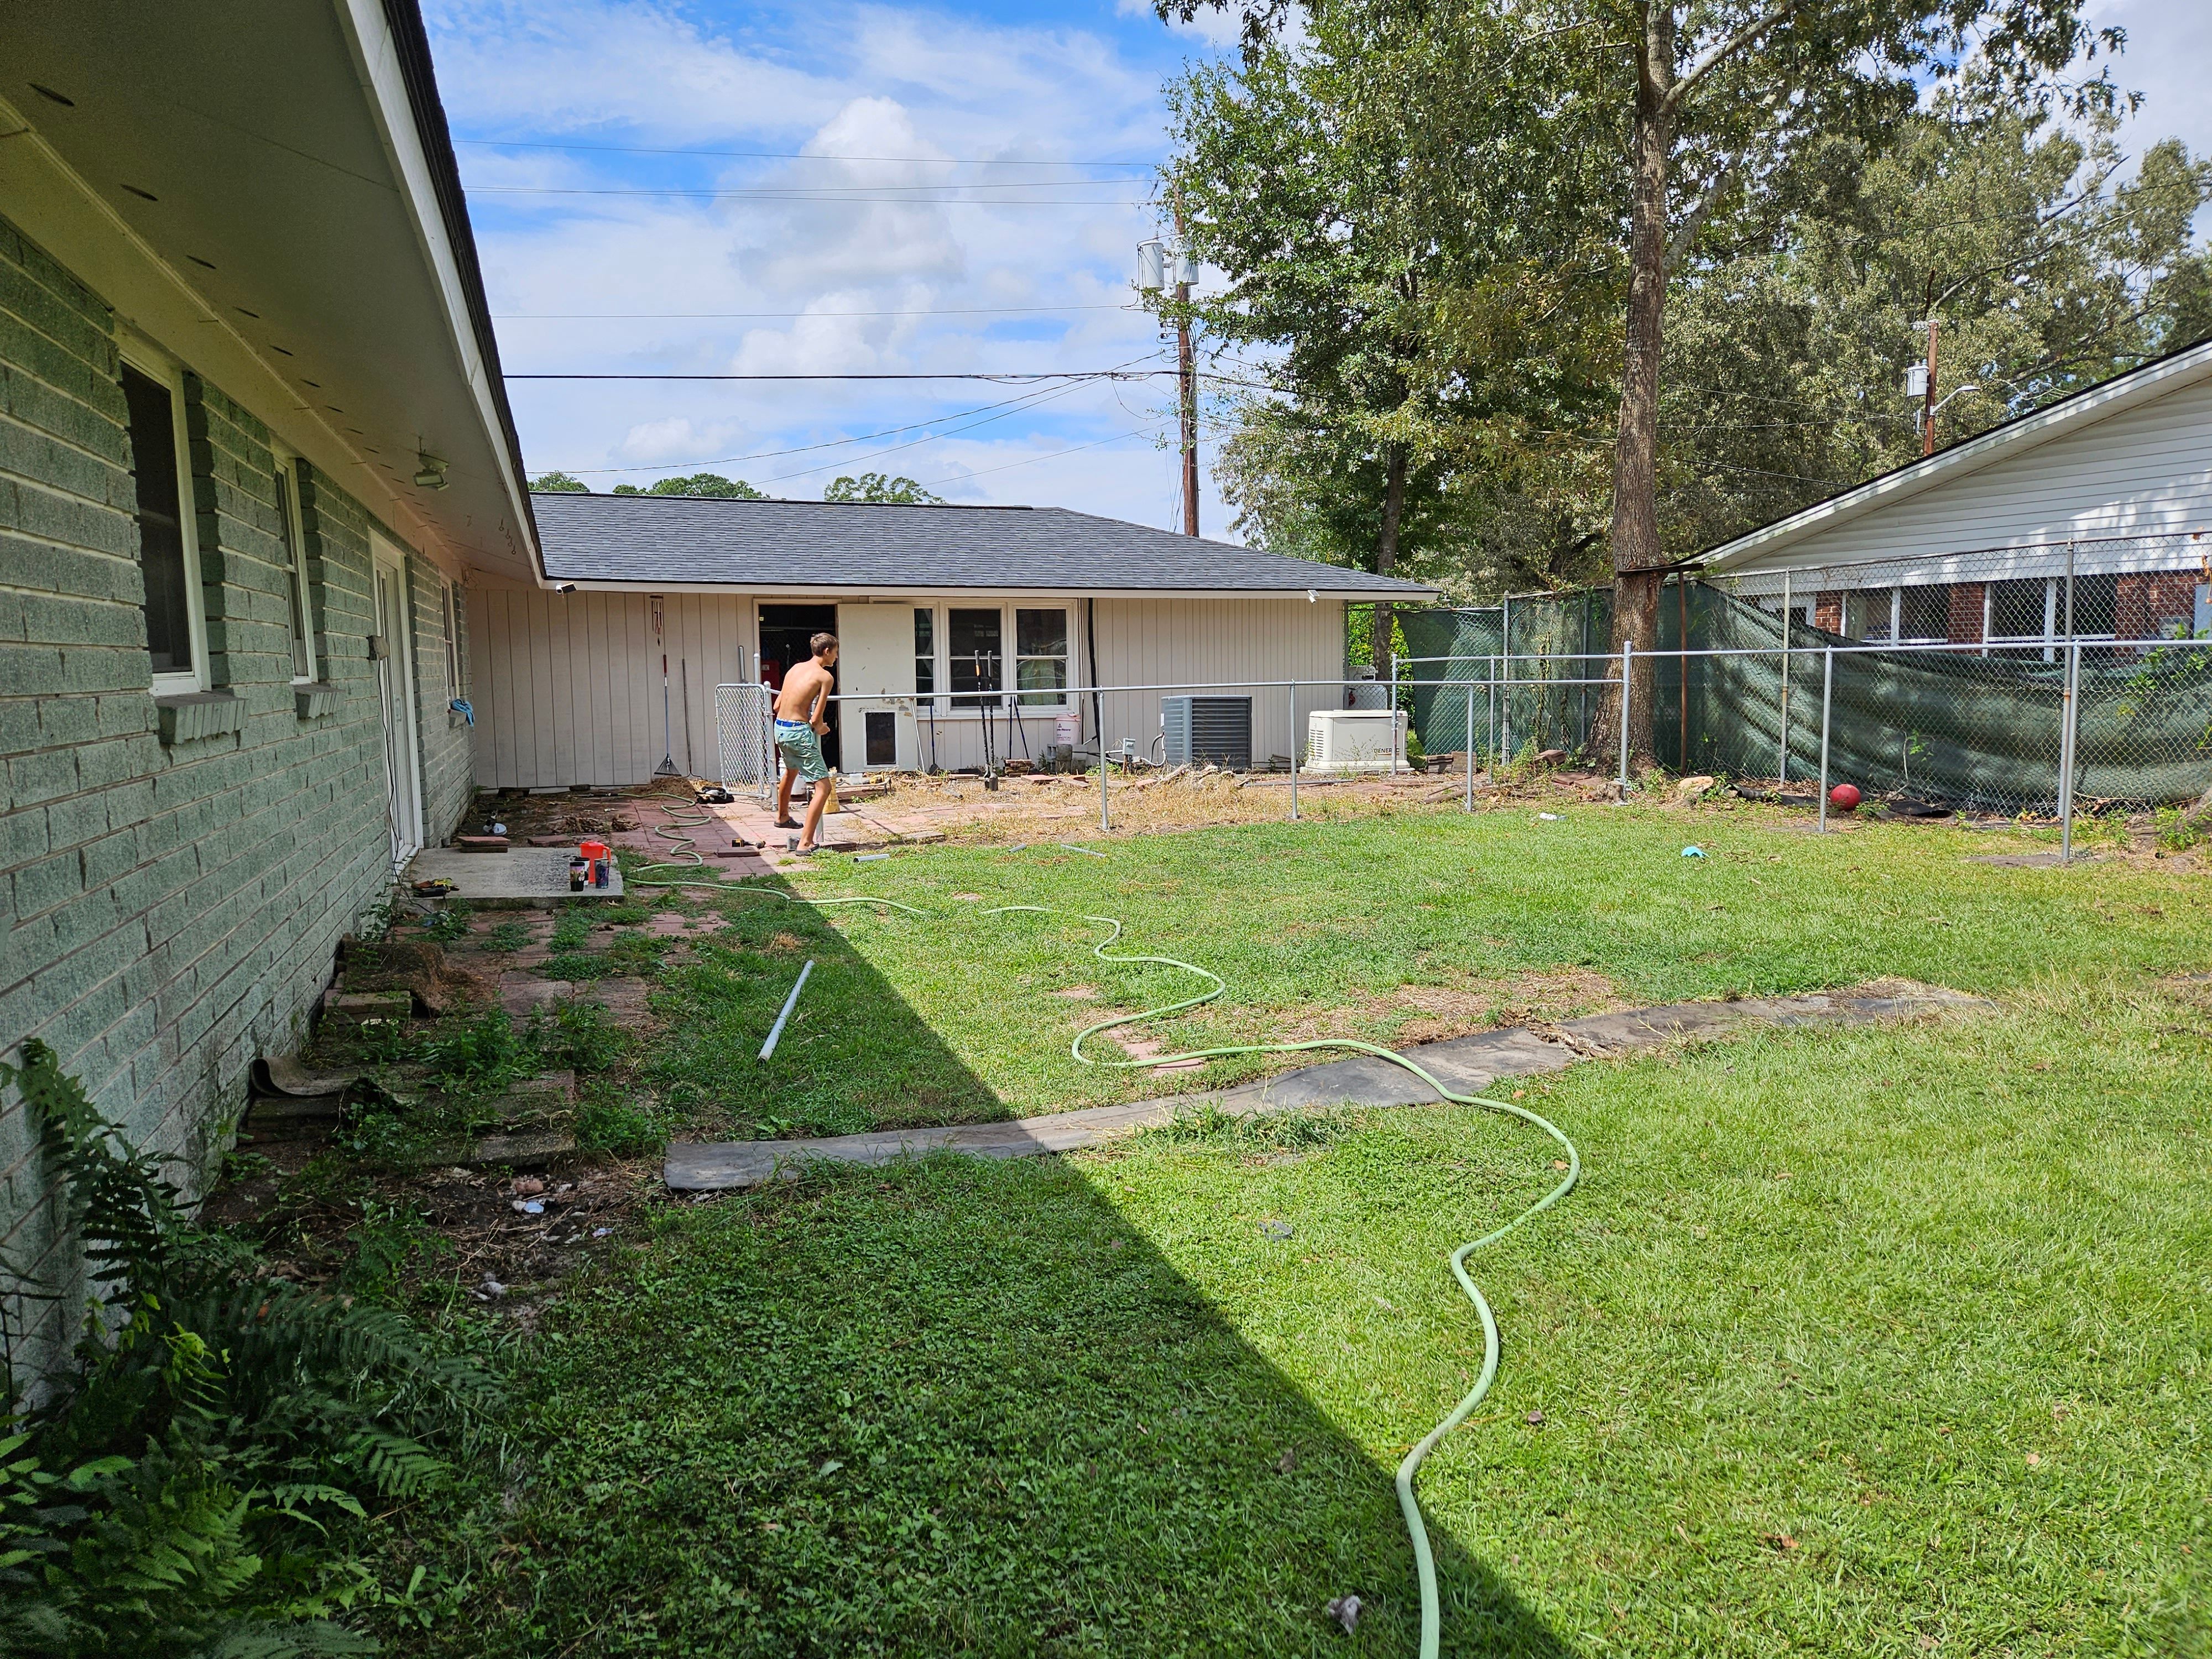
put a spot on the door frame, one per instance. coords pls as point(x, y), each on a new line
point(404, 808)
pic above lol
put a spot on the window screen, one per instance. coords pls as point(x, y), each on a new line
point(1866, 613)
point(1041, 655)
point(160, 530)
point(924, 650)
point(296, 573)
point(974, 654)
point(1924, 613)
point(2016, 608)
point(2096, 605)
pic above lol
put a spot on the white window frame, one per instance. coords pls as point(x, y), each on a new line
point(287, 467)
point(157, 365)
point(452, 623)
point(1009, 694)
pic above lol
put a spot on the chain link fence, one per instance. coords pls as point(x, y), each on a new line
point(2003, 683)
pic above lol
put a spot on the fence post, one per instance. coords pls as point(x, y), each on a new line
point(1470, 745)
point(1491, 686)
point(2069, 721)
point(1394, 712)
point(1782, 765)
point(1627, 653)
point(1827, 701)
point(1105, 823)
point(1294, 750)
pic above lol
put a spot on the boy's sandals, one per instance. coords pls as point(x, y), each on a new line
point(787, 823)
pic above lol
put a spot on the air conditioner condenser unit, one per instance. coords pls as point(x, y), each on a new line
point(1214, 731)
point(1355, 741)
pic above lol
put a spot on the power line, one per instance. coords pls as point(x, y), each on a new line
point(784, 155)
point(786, 316)
point(801, 449)
point(798, 195)
point(1035, 400)
point(1017, 379)
point(1033, 460)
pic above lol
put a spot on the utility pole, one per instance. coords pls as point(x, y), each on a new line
point(1928, 397)
point(1187, 378)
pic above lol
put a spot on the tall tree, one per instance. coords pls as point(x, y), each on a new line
point(560, 484)
point(1408, 260)
point(1711, 98)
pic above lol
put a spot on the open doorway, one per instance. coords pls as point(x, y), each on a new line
point(785, 630)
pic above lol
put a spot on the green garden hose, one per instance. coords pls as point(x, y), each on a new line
point(1423, 1556)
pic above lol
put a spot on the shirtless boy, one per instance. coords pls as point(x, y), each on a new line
point(799, 724)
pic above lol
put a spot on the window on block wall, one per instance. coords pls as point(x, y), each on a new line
point(1866, 613)
point(168, 555)
point(453, 618)
point(297, 614)
point(1923, 613)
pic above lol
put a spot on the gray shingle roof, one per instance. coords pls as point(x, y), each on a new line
point(814, 544)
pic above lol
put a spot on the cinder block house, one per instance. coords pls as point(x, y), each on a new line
point(252, 440)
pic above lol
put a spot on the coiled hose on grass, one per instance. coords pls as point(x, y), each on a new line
point(685, 857)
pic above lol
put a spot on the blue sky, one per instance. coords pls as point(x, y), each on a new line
point(873, 112)
point(866, 121)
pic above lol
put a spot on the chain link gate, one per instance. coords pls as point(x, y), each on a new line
point(742, 740)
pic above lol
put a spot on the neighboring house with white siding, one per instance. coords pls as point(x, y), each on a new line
point(252, 443)
point(1975, 544)
point(947, 617)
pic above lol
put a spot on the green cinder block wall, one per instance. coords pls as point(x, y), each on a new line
point(169, 911)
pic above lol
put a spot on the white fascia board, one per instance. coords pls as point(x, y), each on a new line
point(2123, 391)
point(376, 61)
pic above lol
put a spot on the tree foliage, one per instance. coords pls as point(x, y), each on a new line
point(559, 484)
point(710, 484)
point(878, 487)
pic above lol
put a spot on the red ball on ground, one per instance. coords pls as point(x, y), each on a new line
point(1843, 796)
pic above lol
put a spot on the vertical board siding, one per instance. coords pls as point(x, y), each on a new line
point(572, 688)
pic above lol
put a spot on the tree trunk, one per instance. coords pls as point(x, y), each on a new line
point(1386, 555)
point(1637, 559)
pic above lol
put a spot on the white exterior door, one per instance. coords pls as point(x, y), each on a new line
point(875, 658)
point(395, 687)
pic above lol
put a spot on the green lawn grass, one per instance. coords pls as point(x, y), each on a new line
point(1890, 1340)
point(953, 1017)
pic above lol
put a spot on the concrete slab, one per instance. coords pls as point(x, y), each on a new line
point(1468, 1064)
point(520, 876)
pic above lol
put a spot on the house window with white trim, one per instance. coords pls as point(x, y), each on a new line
point(974, 654)
point(924, 650)
point(298, 614)
point(168, 553)
point(453, 618)
point(1041, 655)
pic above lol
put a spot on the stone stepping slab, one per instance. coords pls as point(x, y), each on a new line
point(1468, 1064)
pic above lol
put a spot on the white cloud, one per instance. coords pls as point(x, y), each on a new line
point(838, 89)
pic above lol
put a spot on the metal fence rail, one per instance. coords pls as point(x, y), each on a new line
point(1982, 727)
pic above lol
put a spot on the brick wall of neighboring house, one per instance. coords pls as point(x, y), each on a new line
point(1828, 612)
point(168, 910)
point(2148, 598)
point(1965, 613)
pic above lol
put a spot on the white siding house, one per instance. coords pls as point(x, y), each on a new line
point(2112, 485)
point(950, 619)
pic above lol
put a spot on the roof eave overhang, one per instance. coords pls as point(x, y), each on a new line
point(2097, 404)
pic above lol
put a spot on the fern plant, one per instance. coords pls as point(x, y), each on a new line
point(179, 1492)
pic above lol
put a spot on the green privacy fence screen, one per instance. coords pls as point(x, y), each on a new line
point(1979, 728)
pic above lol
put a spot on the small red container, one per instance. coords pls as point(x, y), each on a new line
point(595, 853)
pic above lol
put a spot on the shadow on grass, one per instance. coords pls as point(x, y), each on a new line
point(949, 1406)
point(855, 1056)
